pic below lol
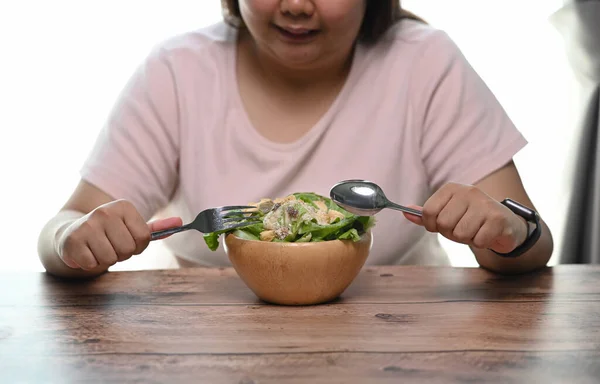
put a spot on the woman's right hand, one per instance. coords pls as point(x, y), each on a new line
point(111, 233)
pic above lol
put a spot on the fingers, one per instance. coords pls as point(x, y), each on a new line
point(486, 235)
point(79, 257)
point(163, 224)
point(102, 249)
point(137, 229)
point(121, 239)
point(167, 223)
point(466, 215)
point(447, 221)
point(413, 218)
point(73, 248)
point(468, 226)
point(71, 263)
point(434, 206)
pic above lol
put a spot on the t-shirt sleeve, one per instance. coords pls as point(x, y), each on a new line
point(135, 156)
point(466, 134)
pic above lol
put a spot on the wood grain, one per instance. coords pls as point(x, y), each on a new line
point(422, 324)
point(450, 367)
point(197, 286)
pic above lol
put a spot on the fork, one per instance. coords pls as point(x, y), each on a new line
point(216, 219)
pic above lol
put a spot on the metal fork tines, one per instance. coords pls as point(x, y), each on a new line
point(231, 217)
point(217, 219)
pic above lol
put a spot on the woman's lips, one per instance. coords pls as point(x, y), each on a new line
point(297, 34)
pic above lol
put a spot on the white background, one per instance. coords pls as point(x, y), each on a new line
point(62, 64)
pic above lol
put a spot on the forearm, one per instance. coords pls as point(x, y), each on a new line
point(535, 258)
point(48, 249)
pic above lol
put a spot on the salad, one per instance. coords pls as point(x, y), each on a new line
point(298, 218)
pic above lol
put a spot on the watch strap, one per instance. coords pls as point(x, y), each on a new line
point(530, 216)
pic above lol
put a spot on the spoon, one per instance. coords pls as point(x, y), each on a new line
point(364, 198)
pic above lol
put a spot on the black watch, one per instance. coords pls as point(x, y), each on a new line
point(530, 216)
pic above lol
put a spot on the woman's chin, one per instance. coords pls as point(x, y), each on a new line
point(293, 59)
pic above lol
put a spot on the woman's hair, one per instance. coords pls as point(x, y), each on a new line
point(380, 15)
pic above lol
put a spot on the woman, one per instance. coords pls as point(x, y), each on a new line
point(302, 94)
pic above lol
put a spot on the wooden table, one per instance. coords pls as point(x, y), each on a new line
point(394, 324)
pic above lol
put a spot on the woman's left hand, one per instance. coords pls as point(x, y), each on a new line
point(465, 214)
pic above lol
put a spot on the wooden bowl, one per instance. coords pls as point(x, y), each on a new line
point(297, 273)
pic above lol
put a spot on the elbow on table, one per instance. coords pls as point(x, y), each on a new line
point(526, 263)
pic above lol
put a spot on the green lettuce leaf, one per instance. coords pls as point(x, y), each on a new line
point(251, 232)
point(212, 240)
point(351, 234)
point(245, 234)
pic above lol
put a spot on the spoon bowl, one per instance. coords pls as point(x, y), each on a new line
point(364, 198)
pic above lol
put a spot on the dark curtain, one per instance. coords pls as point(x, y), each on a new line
point(579, 24)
